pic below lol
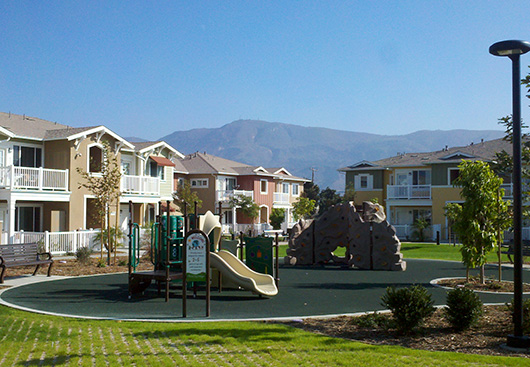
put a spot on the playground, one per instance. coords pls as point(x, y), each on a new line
point(304, 292)
point(186, 251)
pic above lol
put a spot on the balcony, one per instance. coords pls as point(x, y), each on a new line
point(140, 185)
point(29, 178)
point(281, 198)
point(226, 195)
point(409, 192)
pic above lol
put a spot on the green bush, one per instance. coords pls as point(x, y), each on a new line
point(83, 254)
point(371, 321)
point(409, 306)
point(526, 314)
point(101, 264)
point(464, 308)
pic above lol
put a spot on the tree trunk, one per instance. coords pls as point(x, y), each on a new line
point(108, 236)
point(482, 274)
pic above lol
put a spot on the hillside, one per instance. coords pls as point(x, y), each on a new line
point(298, 148)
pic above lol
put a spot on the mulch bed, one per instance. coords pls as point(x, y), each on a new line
point(436, 335)
point(491, 285)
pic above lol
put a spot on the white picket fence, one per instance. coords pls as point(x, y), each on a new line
point(59, 243)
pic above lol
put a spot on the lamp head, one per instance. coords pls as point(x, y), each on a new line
point(509, 48)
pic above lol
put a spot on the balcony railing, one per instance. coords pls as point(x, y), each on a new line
point(140, 185)
point(226, 195)
point(281, 198)
point(29, 178)
point(409, 191)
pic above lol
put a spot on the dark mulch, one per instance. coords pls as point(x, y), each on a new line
point(491, 285)
point(436, 335)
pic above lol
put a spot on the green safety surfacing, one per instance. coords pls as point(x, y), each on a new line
point(304, 291)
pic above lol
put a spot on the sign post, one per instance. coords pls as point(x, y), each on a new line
point(196, 265)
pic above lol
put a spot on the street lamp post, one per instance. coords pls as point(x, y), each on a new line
point(513, 49)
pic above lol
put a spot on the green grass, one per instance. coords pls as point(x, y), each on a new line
point(32, 339)
point(417, 250)
point(431, 251)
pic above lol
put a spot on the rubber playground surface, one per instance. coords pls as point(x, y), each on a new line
point(303, 292)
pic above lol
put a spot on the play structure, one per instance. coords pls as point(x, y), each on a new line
point(370, 241)
point(176, 250)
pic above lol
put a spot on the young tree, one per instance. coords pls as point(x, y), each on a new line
point(303, 207)
point(480, 218)
point(185, 199)
point(106, 189)
point(277, 217)
point(246, 206)
point(328, 198)
point(420, 225)
point(349, 193)
point(311, 191)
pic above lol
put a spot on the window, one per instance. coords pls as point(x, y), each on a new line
point(95, 156)
point(27, 218)
point(263, 186)
point(199, 183)
point(295, 190)
point(27, 156)
point(421, 213)
point(228, 217)
point(363, 182)
point(285, 188)
point(125, 168)
point(421, 177)
point(453, 175)
point(230, 184)
point(155, 170)
point(180, 182)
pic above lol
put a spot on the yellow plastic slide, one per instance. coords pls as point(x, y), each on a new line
point(236, 271)
point(230, 266)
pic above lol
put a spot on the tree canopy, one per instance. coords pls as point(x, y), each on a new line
point(482, 215)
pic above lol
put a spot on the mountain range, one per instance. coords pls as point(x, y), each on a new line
point(299, 149)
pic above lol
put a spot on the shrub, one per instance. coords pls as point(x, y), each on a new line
point(122, 262)
point(371, 321)
point(83, 255)
point(526, 314)
point(101, 264)
point(409, 306)
point(464, 308)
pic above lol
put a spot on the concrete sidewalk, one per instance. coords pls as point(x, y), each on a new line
point(28, 279)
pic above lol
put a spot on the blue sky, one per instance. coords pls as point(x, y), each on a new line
point(147, 68)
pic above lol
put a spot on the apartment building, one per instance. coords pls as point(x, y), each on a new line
point(216, 180)
point(39, 178)
point(414, 185)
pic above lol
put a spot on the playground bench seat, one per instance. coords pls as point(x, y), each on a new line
point(23, 254)
point(509, 249)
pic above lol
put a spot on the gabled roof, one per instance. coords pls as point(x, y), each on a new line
point(202, 163)
point(23, 126)
point(360, 165)
point(147, 146)
point(32, 128)
point(483, 151)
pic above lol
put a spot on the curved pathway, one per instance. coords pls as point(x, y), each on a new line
point(304, 292)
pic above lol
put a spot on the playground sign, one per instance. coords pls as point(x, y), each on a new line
point(196, 265)
point(196, 244)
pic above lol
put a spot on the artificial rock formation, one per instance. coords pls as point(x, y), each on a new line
point(369, 239)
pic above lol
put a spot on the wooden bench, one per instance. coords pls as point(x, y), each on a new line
point(23, 254)
point(509, 249)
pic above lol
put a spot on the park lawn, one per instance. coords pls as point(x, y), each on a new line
point(34, 339)
point(417, 250)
